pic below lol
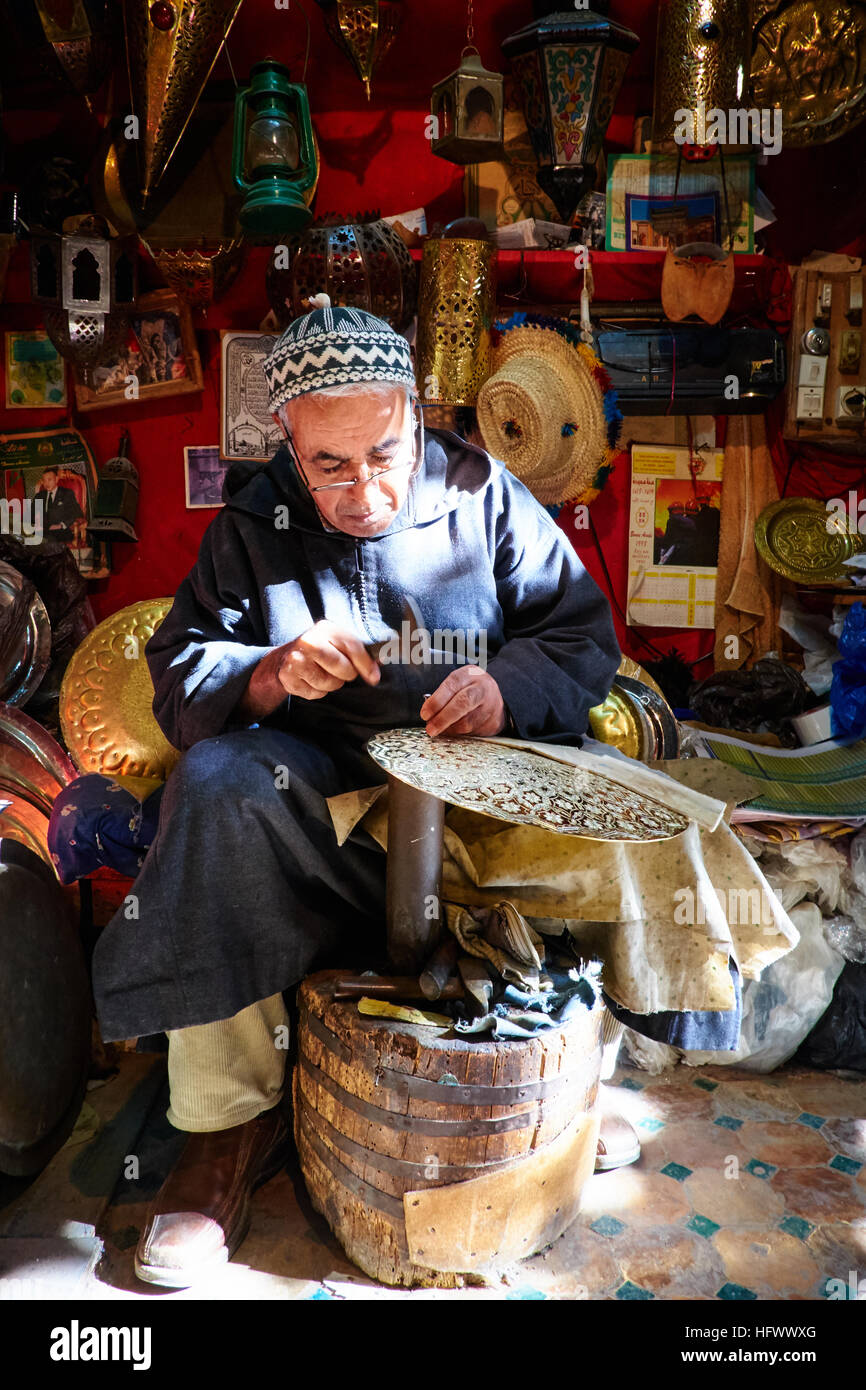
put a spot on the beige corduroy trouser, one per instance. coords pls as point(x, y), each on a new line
point(223, 1074)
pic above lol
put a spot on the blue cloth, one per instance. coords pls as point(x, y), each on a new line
point(95, 822)
point(706, 1030)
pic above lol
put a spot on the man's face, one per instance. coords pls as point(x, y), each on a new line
point(334, 435)
point(49, 478)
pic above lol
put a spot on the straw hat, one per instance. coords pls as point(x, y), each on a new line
point(548, 410)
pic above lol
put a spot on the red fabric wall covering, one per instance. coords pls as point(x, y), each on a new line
point(372, 156)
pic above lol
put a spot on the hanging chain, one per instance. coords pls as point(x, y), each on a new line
point(470, 23)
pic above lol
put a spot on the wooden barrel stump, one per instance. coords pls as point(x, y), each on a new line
point(474, 1129)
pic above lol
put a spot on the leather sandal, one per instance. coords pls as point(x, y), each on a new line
point(618, 1144)
point(201, 1214)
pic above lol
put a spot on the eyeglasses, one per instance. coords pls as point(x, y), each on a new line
point(413, 463)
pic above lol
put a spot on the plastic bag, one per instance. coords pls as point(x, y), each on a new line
point(858, 861)
point(61, 586)
point(838, 1039)
point(760, 700)
point(846, 936)
point(803, 867)
point(779, 1010)
point(848, 691)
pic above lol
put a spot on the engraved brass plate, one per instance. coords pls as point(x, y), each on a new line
point(809, 58)
point(801, 540)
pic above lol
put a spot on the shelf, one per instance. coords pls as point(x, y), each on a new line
point(619, 276)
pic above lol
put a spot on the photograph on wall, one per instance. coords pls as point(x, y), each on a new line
point(247, 428)
point(655, 180)
point(158, 356)
point(51, 476)
point(205, 473)
point(653, 224)
point(35, 373)
point(673, 552)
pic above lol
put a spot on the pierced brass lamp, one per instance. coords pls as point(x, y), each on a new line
point(364, 30)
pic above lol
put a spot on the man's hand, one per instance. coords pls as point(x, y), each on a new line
point(321, 660)
point(467, 702)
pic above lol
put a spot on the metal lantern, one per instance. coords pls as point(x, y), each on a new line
point(365, 266)
point(569, 66)
point(468, 108)
point(86, 281)
point(702, 57)
point(274, 161)
point(171, 47)
point(116, 502)
point(364, 29)
point(82, 37)
point(456, 309)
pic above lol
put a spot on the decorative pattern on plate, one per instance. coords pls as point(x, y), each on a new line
point(800, 539)
point(809, 58)
point(518, 785)
point(106, 698)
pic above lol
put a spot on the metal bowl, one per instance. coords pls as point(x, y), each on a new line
point(32, 656)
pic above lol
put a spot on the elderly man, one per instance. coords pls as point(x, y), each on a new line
point(262, 675)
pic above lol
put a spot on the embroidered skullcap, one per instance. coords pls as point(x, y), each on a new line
point(333, 345)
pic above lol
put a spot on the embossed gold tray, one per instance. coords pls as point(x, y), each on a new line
point(106, 698)
point(801, 540)
point(809, 58)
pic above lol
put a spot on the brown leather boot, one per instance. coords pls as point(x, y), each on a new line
point(201, 1214)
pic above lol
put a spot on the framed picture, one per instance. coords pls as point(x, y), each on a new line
point(642, 214)
point(247, 428)
point(35, 375)
point(159, 357)
point(653, 224)
point(48, 483)
point(205, 472)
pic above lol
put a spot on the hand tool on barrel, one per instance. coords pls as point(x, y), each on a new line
point(391, 987)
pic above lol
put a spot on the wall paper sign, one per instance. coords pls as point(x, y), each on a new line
point(35, 373)
point(673, 543)
point(247, 428)
point(50, 475)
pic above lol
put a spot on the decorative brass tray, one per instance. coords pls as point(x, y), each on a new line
point(809, 58)
point(801, 540)
point(518, 785)
point(106, 698)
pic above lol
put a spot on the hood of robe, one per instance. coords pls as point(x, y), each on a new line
point(453, 472)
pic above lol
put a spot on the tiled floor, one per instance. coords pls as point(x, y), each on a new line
point(749, 1187)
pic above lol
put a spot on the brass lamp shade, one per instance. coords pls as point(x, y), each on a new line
point(171, 47)
point(364, 30)
point(456, 307)
point(702, 56)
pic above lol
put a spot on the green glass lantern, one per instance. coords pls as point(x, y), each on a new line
point(569, 67)
point(274, 158)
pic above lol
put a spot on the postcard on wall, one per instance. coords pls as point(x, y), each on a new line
point(247, 428)
point(639, 184)
point(205, 473)
point(673, 547)
point(35, 373)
